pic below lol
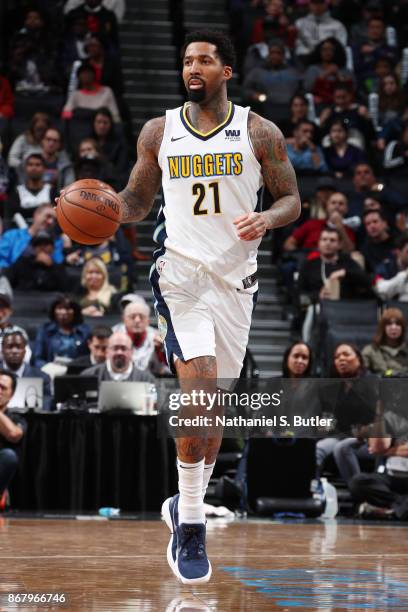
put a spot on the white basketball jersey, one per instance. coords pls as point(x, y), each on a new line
point(208, 181)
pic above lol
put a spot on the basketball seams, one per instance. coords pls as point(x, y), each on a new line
point(102, 238)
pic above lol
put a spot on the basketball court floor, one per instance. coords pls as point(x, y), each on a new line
point(120, 565)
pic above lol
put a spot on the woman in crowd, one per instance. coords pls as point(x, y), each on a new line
point(341, 156)
point(64, 336)
point(391, 99)
point(30, 141)
point(298, 111)
point(111, 142)
point(388, 352)
point(297, 360)
point(102, 169)
point(326, 70)
point(90, 95)
point(98, 292)
point(351, 403)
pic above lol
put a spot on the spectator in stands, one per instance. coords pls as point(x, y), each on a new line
point(392, 275)
point(64, 337)
point(303, 153)
point(108, 70)
point(299, 111)
point(297, 360)
point(379, 242)
point(387, 355)
point(359, 28)
point(14, 242)
point(97, 344)
point(353, 406)
point(58, 166)
point(14, 346)
point(99, 20)
point(373, 48)
point(361, 129)
point(111, 140)
point(98, 292)
point(316, 205)
point(116, 6)
point(6, 103)
point(307, 235)
point(392, 99)
point(327, 68)
point(30, 140)
point(273, 25)
point(147, 345)
point(32, 191)
point(36, 270)
point(316, 27)
point(37, 32)
point(73, 45)
point(341, 156)
point(367, 185)
point(273, 85)
point(92, 164)
point(12, 429)
point(385, 494)
point(330, 265)
point(90, 95)
point(119, 365)
point(396, 155)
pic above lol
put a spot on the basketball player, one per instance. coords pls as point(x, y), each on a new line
point(212, 159)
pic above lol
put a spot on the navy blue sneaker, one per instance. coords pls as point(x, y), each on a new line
point(192, 564)
point(170, 515)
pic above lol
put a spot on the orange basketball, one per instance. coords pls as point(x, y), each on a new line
point(89, 211)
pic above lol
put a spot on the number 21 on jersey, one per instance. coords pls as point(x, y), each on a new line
point(200, 205)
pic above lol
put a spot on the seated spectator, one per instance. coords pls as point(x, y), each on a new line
point(379, 243)
point(119, 365)
point(330, 265)
point(64, 337)
point(98, 292)
point(14, 346)
point(385, 494)
point(31, 192)
point(6, 325)
point(391, 99)
point(392, 275)
point(273, 85)
point(361, 128)
point(37, 32)
point(327, 68)
point(396, 155)
point(299, 111)
point(36, 270)
point(29, 141)
point(111, 142)
point(373, 48)
point(99, 20)
point(366, 185)
point(14, 242)
point(307, 235)
point(388, 353)
point(359, 28)
point(107, 67)
point(12, 429)
point(90, 95)
point(97, 344)
point(73, 45)
point(148, 350)
point(116, 6)
point(341, 156)
point(297, 361)
point(371, 84)
point(316, 27)
point(315, 205)
point(274, 25)
point(58, 166)
point(353, 407)
point(92, 164)
point(303, 153)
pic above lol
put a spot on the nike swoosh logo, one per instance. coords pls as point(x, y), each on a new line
point(179, 138)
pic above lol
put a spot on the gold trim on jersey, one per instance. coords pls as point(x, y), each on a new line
point(205, 135)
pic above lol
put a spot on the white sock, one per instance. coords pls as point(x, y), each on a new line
point(191, 507)
point(208, 470)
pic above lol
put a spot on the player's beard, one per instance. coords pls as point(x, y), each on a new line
point(196, 95)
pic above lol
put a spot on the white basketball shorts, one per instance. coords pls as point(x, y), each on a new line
point(199, 314)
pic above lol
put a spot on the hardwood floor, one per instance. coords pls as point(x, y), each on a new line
point(121, 566)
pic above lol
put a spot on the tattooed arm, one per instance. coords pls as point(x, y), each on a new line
point(144, 181)
point(279, 177)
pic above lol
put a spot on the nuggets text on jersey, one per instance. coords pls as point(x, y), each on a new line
point(208, 165)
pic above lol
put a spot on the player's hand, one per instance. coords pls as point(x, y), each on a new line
point(57, 199)
point(250, 226)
